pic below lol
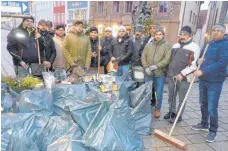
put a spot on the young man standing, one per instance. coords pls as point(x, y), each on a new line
point(76, 46)
point(155, 59)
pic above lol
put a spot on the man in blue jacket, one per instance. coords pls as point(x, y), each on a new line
point(211, 75)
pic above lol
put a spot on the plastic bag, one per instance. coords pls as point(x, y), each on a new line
point(141, 109)
point(49, 79)
point(115, 130)
point(40, 101)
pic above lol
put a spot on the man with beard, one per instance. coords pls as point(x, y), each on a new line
point(47, 46)
point(120, 52)
point(155, 59)
point(180, 72)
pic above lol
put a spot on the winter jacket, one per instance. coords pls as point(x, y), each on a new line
point(157, 53)
point(77, 46)
point(47, 46)
point(94, 47)
point(184, 60)
point(22, 45)
point(106, 45)
point(60, 60)
point(138, 44)
point(122, 51)
point(215, 61)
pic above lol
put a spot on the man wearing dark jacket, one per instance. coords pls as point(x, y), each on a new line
point(180, 72)
point(47, 46)
point(121, 50)
point(106, 44)
point(22, 45)
point(212, 75)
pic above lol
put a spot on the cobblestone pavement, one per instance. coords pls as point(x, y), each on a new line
point(195, 140)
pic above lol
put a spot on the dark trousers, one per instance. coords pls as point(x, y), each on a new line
point(209, 99)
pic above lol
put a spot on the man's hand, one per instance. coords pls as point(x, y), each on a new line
point(94, 54)
point(198, 73)
point(153, 67)
point(23, 64)
point(47, 64)
point(179, 77)
point(200, 61)
point(37, 34)
point(148, 71)
point(99, 48)
point(73, 64)
point(113, 59)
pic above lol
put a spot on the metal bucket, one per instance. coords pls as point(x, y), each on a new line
point(138, 74)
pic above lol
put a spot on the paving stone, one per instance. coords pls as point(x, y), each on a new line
point(192, 121)
point(160, 124)
point(225, 111)
point(191, 131)
point(221, 129)
point(224, 120)
point(225, 133)
point(178, 131)
point(222, 114)
point(219, 146)
point(199, 147)
point(153, 142)
point(193, 115)
point(196, 138)
point(224, 126)
point(168, 149)
point(225, 107)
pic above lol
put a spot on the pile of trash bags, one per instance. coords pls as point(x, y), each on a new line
point(78, 117)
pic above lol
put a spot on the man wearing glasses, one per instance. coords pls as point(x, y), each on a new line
point(23, 46)
point(211, 75)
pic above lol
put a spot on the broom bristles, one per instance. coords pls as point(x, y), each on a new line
point(170, 139)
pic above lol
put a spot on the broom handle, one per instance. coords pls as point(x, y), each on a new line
point(99, 56)
point(186, 96)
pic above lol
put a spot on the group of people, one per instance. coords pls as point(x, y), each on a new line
point(177, 64)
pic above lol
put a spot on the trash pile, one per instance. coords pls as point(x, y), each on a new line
point(76, 118)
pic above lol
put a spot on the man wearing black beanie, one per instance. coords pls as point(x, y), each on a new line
point(180, 71)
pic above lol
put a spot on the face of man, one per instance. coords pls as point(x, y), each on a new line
point(60, 32)
point(121, 33)
point(93, 35)
point(183, 37)
point(79, 28)
point(138, 34)
point(158, 36)
point(42, 27)
point(152, 30)
point(217, 34)
point(108, 34)
point(28, 23)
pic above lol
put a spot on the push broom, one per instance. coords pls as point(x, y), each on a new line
point(169, 138)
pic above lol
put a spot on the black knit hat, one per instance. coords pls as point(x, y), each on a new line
point(93, 29)
point(187, 30)
point(29, 17)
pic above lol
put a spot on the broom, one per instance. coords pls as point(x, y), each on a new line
point(169, 138)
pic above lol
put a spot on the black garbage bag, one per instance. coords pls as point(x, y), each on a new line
point(141, 109)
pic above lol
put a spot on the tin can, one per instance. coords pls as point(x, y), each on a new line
point(102, 88)
point(114, 87)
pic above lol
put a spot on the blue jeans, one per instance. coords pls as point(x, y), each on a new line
point(158, 83)
point(209, 99)
point(123, 70)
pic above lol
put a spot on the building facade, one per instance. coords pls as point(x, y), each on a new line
point(59, 12)
point(166, 13)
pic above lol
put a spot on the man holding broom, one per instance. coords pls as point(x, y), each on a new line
point(211, 75)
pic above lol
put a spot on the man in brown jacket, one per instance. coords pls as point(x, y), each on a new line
point(76, 46)
point(155, 59)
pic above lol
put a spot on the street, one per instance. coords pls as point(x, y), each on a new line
point(195, 140)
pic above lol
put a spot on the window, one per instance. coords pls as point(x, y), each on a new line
point(63, 18)
point(71, 13)
point(196, 21)
point(58, 18)
point(190, 17)
point(116, 6)
point(163, 7)
point(100, 7)
point(128, 6)
point(193, 18)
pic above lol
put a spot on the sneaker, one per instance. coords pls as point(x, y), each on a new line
point(167, 116)
point(173, 119)
point(199, 127)
point(211, 136)
point(157, 113)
